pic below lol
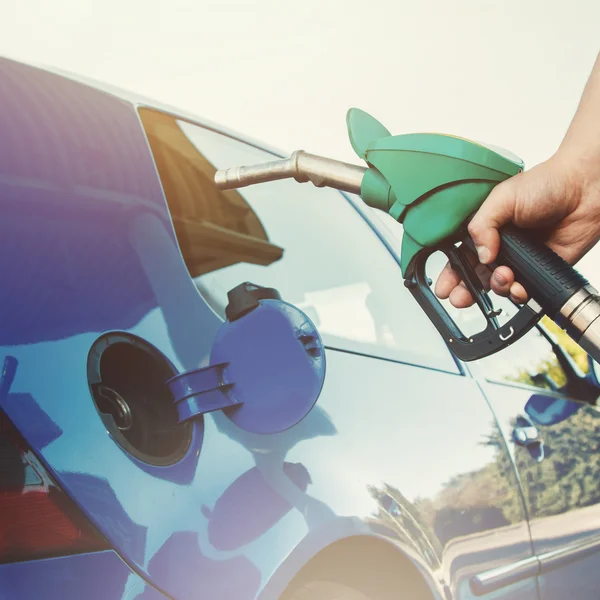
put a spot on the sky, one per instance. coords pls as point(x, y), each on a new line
point(506, 72)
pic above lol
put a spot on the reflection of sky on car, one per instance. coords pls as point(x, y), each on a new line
point(342, 311)
point(338, 311)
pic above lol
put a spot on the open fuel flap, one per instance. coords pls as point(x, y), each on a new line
point(267, 365)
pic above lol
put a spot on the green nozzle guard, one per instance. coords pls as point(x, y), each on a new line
point(376, 191)
point(429, 182)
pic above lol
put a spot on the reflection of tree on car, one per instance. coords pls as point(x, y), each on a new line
point(396, 512)
point(452, 523)
point(467, 505)
point(567, 477)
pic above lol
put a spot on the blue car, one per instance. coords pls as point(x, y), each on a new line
point(231, 395)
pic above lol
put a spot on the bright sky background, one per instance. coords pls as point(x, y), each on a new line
point(509, 72)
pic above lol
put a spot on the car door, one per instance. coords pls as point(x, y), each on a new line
point(554, 441)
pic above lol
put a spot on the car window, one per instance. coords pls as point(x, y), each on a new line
point(311, 244)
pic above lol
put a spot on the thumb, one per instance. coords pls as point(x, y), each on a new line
point(497, 210)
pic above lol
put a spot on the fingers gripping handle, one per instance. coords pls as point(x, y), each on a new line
point(547, 278)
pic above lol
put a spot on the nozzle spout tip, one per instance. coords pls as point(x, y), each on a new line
point(301, 166)
point(222, 179)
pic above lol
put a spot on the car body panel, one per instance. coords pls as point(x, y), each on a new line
point(95, 576)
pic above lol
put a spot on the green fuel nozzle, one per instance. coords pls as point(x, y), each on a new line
point(429, 182)
point(433, 184)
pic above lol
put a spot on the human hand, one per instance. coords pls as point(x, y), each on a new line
point(560, 198)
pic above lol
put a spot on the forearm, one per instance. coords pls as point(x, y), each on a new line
point(582, 140)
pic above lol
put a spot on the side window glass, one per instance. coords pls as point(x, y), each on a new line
point(311, 244)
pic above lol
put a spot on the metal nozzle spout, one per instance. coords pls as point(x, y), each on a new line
point(301, 166)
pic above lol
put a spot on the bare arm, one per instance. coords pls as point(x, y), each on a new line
point(583, 136)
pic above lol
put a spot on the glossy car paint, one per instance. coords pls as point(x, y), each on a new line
point(88, 247)
point(94, 576)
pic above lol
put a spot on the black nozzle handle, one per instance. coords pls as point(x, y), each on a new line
point(546, 277)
